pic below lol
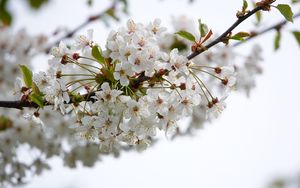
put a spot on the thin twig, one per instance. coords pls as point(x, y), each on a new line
point(214, 42)
point(229, 30)
point(273, 27)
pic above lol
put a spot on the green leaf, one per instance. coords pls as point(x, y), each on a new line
point(258, 14)
point(90, 2)
point(297, 36)
point(178, 44)
point(125, 6)
point(5, 123)
point(277, 40)
point(37, 99)
point(36, 4)
point(27, 75)
point(36, 89)
point(258, 17)
point(111, 12)
point(240, 36)
point(243, 34)
point(245, 6)
point(97, 54)
point(203, 29)
point(286, 11)
point(5, 17)
point(5, 14)
point(295, 1)
point(186, 35)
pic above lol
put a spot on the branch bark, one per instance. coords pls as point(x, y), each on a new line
point(18, 104)
point(229, 30)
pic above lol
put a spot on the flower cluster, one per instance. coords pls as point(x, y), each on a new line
point(95, 101)
point(135, 50)
point(134, 88)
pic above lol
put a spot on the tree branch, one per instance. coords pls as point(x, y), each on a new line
point(18, 104)
point(214, 42)
point(273, 27)
point(229, 30)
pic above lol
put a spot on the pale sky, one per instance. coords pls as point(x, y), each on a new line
point(255, 140)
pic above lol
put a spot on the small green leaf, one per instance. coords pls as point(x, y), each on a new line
point(295, 1)
point(35, 89)
point(277, 40)
point(203, 29)
point(286, 11)
point(245, 5)
point(258, 17)
point(240, 36)
point(36, 4)
point(125, 6)
point(111, 12)
point(297, 36)
point(186, 35)
point(258, 14)
point(90, 2)
point(97, 54)
point(178, 44)
point(5, 16)
point(243, 34)
point(37, 99)
point(27, 75)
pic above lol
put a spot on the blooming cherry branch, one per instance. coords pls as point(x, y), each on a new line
point(100, 101)
point(197, 49)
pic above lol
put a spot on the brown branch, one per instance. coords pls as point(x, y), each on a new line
point(82, 25)
point(18, 104)
point(225, 34)
point(273, 27)
point(214, 42)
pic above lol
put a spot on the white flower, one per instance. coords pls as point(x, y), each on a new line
point(18, 87)
point(186, 105)
point(131, 26)
point(155, 27)
point(84, 42)
point(135, 111)
point(57, 94)
point(217, 108)
point(138, 62)
point(60, 51)
point(122, 72)
point(42, 80)
point(158, 101)
point(107, 94)
point(178, 62)
point(34, 117)
point(228, 76)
